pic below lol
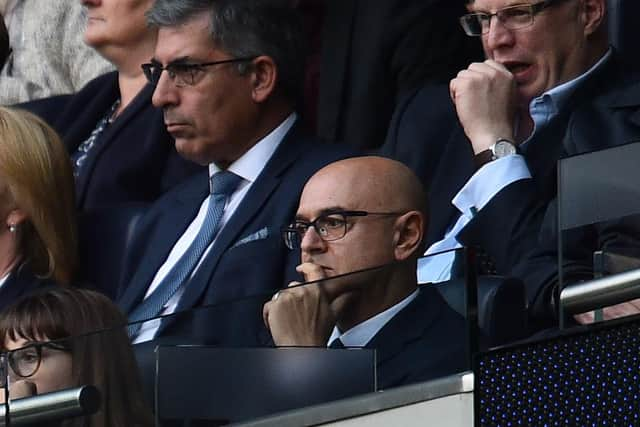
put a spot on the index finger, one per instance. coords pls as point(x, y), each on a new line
point(497, 65)
point(311, 271)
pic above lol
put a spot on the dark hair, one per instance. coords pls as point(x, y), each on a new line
point(247, 28)
point(104, 359)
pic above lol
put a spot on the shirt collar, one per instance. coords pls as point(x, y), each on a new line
point(250, 164)
point(558, 96)
point(361, 334)
point(4, 278)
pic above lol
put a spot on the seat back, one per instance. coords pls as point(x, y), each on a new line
point(502, 307)
point(622, 18)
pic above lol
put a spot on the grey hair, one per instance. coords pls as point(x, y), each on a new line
point(246, 28)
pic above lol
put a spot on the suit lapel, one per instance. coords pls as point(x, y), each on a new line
point(175, 219)
point(90, 108)
point(260, 192)
point(407, 326)
point(80, 129)
point(336, 47)
point(454, 171)
point(142, 100)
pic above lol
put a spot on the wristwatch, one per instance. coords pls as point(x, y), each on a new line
point(502, 148)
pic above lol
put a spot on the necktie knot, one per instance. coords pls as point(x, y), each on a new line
point(224, 183)
point(337, 343)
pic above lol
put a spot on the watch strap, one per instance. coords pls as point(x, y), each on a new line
point(482, 158)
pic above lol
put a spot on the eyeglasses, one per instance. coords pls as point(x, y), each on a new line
point(330, 226)
point(183, 74)
point(512, 17)
point(26, 361)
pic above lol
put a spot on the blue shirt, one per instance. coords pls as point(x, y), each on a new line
point(494, 176)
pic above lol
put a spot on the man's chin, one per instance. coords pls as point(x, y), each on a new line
point(187, 150)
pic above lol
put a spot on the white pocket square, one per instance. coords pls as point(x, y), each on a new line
point(261, 234)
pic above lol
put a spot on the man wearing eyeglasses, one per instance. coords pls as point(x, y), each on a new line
point(493, 179)
point(363, 219)
point(227, 74)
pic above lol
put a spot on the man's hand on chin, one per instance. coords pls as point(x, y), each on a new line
point(485, 98)
point(300, 316)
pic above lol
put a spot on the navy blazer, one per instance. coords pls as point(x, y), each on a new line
point(423, 341)
point(248, 261)
point(516, 228)
point(135, 159)
point(21, 282)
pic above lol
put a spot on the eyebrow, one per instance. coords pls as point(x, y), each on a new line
point(471, 8)
point(178, 61)
point(325, 211)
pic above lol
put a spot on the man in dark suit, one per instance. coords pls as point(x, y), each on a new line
point(354, 215)
point(366, 54)
point(233, 72)
point(492, 180)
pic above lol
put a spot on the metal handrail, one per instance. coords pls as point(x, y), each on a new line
point(602, 292)
point(57, 405)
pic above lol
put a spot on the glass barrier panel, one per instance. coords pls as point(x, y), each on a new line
point(251, 356)
point(598, 218)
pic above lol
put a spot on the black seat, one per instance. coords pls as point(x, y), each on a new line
point(622, 18)
point(502, 307)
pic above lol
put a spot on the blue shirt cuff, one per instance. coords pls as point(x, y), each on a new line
point(489, 180)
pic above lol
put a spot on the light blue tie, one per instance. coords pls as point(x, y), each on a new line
point(223, 184)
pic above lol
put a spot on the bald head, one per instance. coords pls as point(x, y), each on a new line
point(368, 183)
point(366, 212)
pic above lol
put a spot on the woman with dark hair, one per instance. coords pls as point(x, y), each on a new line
point(65, 337)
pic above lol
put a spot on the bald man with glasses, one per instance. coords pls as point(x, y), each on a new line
point(354, 215)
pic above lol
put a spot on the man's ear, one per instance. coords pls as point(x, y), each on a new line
point(264, 76)
point(410, 229)
point(593, 14)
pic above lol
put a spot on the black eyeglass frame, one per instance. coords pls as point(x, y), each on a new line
point(154, 78)
point(13, 364)
point(291, 230)
point(534, 9)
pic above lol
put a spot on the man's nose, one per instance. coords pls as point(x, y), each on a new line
point(498, 36)
point(165, 93)
point(311, 241)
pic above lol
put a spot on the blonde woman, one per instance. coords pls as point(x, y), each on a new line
point(37, 207)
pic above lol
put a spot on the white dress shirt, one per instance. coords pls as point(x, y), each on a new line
point(248, 167)
point(4, 278)
point(494, 176)
point(362, 333)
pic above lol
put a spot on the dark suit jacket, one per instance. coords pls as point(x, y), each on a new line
point(516, 228)
point(374, 51)
point(423, 341)
point(236, 277)
point(135, 159)
point(20, 283)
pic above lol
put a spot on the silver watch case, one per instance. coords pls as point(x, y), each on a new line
point(502, 148)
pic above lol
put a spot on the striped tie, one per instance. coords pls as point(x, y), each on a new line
point(223, 184)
